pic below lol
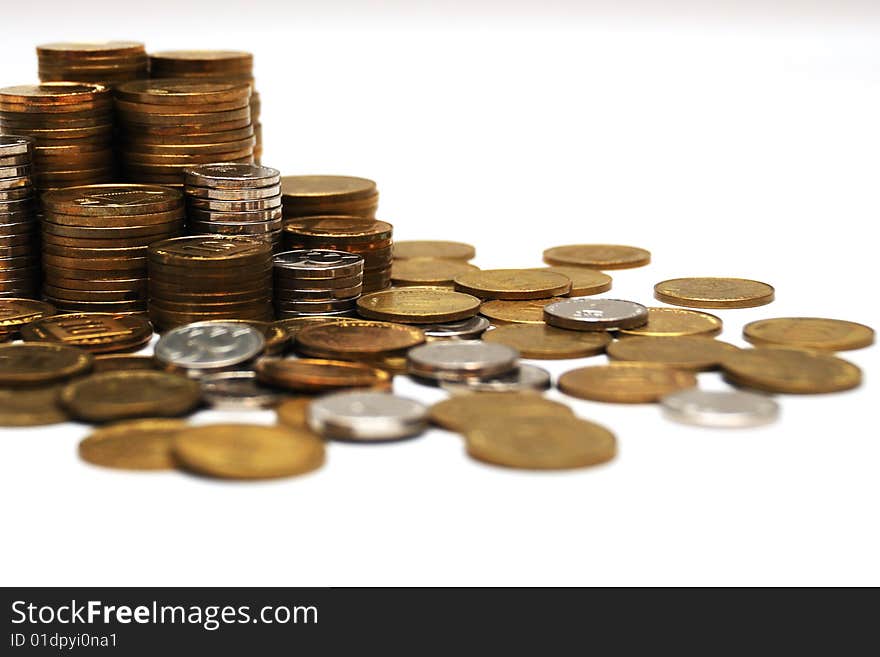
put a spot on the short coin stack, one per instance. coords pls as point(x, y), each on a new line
point(317, 283)
point(215, 65)
point(71, 124)
point(167, 126)
point(204, 277)
point(311, 196)
point(19, 243)
point(234, 199)
point(95, 241)
point(368, 238)
point(110, 63)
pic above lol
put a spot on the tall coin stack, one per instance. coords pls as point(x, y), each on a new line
point(110, 63)
point(234, 199)
point(167, 126)
point(205, 277)
point(317, 283)
point(95, 241)
point(19, 239)
point(71, 124)
point(312, 196)
point(368, 238)
point(221, 65)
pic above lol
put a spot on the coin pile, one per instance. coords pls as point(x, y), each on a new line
point(71, 124)
point(170, 125)
point(205, 277)
point(110, 63)
point(234, 199)
point(317, 282)
point(312, 196)
point(214, 65)
point(19, 243)
point(95, 240)
point(368, 238)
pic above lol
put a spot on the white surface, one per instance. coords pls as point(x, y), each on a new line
point(746, 149)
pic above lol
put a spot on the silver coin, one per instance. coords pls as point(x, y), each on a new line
point(19, 171)
point(14, 145)
point(238, 205)
point(467, 329)
point(521, 379)
point(250, 193)
point(456, 360)
point(209, 345)
point(319, 263)
point(586, 314)
point(237, 390)
point(227, 228)
point(232, 176)
point(246, 217)
point(720, 408)
point(284, 281)
point(366, 416)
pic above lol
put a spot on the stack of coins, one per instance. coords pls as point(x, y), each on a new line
point(110, 63)
point(317, 283)
point(95, 241)
point(204, 277)
point(368, 238)
point(19, 243)
point(311, 196)
point(167, 126)
point(71, 124)
point(214, 65)
point(234, 199)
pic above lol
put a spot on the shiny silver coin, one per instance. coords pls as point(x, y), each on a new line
point(319, 263)
point(245, 217)
point(193, 192)
point(208, 346)
point(467, 329)
point(457, 360)
point(366, 416)
point(720, 408)
point(14, 145)
point(15, 171)
point(232, 176)
point(237, 390)
point(284, 281)
point(586, 314)
point(238, 205)
point(521, 379)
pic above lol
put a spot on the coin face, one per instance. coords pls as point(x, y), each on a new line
point(410, 249)
point(625, 383)
point(239, 390)
point(30, 407)
point(720, 408)
point(461, 359)
point(690, 352)
point(15, 313)
point(354, 338)
point(530, 311)
point(33, 364)
point(540, 443)
point(366, 416)
point(522, 378)
point(418, 305)
point(465, 329)
point(428, 271)
point(133, 445)
point(790, 371)
point(95, 332)
point(326, 187)
point(209, 345)
point(714, 292)
point(113, 200)
point(598, 256)
point(676, 322)
point(461, 412)
point(809, 333)
point(319, 263)
point(584, 281)
point(546, 342)
point(512, 283)
point(595, 314)
point(319, 375)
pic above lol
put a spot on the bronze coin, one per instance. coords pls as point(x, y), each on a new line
point(319, 375)
point(40, 364)
point(94, 332)
point(353, 338)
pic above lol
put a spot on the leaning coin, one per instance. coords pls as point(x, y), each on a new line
point(34, 364)
point(720, 408)
point(790, 371)
point(712, 292)
point(547, 342)
point(595, 314)
point(357, 338)
point(133, 445)
point(461, 412)
point(30, 407)
point(809, 333)
point(521, 379)
point(204, 346)
point(466, 329)
point(237, 390)
point(367, 416)
point(687, 352)
point(460, 359)
point(625, 383)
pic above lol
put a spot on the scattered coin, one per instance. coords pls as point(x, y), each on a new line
point(522, 378)
point(466, 329)
point(722, 409)
point(675, 322)
point(418, 305)
point(409, 249)
point(460, 359)
point(546, 342)
point(584, 281)
point(595, 314)
point(690, 352)
point(207, 346)
point(352, 339)
point(512, 283)
point(294, 325)
point(38, 364)
point(625, 383)
point(460, 412)
point(30, 407)
point(133, 445)
point(530, 311)
point(96, 332)
point(366, 416)
point(275, 335)
point(237, 390)
point(292, 412)
point(428, 271)
point(598, 256)
point(117, 362)
point(809, 333)
point(790, 371)
point(319, 375)
point(714, 292)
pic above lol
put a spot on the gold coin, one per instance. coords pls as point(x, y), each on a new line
point(248, 451)
point(584, 281)
point(116, 362)
point(427, 271)
point(296, 324)
point(530, 311)
point(133, 445)
point(407, 249)
point(689, 352)
point(809, 333)
point(292, 412)
point(326, 188)
point(790, 371)
point(30, 407)
point(512, 283)
point(33, 364)
point(547, 342)
point(14, 313)
point(319, 375)
point(598, 256)
point(675, 322)
point(462, 412)
point(357, 338)
point(418, 305)
point(625, 383)
point(712, 292)
point(540, 443)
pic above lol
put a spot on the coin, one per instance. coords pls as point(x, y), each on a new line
point(455, 360)
point(674, 322)
point(340, 195)
point(809, 333)
point(546, 342)
point(237, 390)
point(582, 314)
point(408, 249)
point(204, 346)
point(232, 176)
point(366, 416)
point(625, 383)
point(93, 331)
point(714, 292)
point(117, 362)
point(327, 228)
point(690, 352)
point(319, 263)
point(357, 338)
point(584, 281)
point(598, 256)
point(530, 311)
point(720, 408)
point(418, 305)
point(133, 444)
point(460, 412)
point(521, 378)
point(30, 407)
point(179, 91)
point(276, 336)
point(465, 329)
point(15, 313)
point(428, 271)
point(512, 283)
point(295, 325)
point(790, 371)
point(39, 364)
point(209, 250)
point(292, 412)
point(318, 375)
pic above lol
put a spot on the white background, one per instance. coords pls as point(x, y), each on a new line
point(731, 142)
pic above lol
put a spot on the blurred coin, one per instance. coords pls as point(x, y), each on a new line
point(625, 383)
point(292, 412)
point(318, 375)
point(117, 362)
point(582, 314)
point(39, 364)
point(179, 91)
point(598, 256)
point(30, 407)
point(809, 333)
point(529, 311)
point(460, 412)
point(522, 378)
point(691, 352)
point(133, 444)
point(407, 249)
point(546, 342)
point(465, 329)
point(460, 359)
point(427, 271)
point(720, 409)
point(209, 346)
point(714, 292)
point(418, 305)
point(15, 313)
point(356, 338)
point(237, 390)
point(512, 283)
point(366, 416)
point(790, 371)
point(675, 322)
